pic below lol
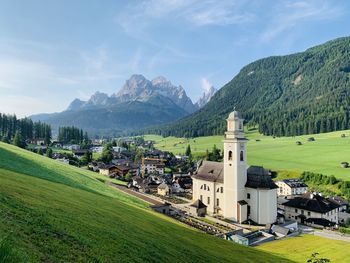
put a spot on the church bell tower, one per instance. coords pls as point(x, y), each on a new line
point(235, 166)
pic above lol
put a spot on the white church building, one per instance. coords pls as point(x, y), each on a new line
point(230, 188)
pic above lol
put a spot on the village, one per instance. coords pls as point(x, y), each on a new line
point(196, 192)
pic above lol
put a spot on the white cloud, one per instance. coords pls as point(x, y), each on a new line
point(206, 84)
point(136, 18)
point(291, 14)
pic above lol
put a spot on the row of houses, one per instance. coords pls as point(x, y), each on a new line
point(295, 202)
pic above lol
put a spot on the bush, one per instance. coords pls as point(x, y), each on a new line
point(344, 164)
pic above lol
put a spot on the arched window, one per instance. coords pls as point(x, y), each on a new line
point(208, 188)
point(241, 156)
point(240, 125)
point(230, 155)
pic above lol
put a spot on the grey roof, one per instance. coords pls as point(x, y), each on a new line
point(312, 202)
point(280, 230)
point(338, 200)
point(198, 204)
point(295, 183)
point(258, 177)
point(211, 171)
point(235, 114)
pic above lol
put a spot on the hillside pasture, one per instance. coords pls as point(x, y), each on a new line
point(51, 212)
point(323, 155)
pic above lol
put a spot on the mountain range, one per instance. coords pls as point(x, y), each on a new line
point(138, 104)
point(302, 93)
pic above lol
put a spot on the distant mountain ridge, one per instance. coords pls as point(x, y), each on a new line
point(302, 93)
point(138, 104)
point(138, 88)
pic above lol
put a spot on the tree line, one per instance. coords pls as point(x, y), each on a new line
point(71, 134)
point(23, 129)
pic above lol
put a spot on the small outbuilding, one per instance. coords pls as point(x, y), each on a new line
point(163, 189)
point(198, 208)
point(162, 208)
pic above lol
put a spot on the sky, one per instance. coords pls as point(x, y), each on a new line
point(52, 52)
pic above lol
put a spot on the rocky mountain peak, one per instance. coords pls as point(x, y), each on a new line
point(206, 96)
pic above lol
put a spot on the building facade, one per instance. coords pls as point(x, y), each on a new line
point(311, 206)
point(229, 188)
point(291, 187)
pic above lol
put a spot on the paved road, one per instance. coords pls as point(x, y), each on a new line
point(335, 236)
point(136, 194)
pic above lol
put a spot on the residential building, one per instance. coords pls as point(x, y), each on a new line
point(311, 207)
point(152, 166)
point(291, 187)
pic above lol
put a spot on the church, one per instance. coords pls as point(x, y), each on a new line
point(230, 188)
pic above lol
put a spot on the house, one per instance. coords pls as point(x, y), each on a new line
point(118, 149)
point(311, 206)
point(163, 189)
point(176, 188)
point(145, 185)
point(198, 208)
point(152, 166)
point(291, 187)
point(229, 188)
point(107, 169)
point(81, 152)
point(340, 201)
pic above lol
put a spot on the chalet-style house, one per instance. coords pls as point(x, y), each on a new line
point(107, 169)
point(152, 166)
point(229, 188)
point(312, 209)
point(291, 187)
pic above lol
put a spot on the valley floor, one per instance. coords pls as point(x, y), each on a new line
point(323, 155)
point(301, 247)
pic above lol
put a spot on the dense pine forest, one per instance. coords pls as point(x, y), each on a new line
point(303, 93)
point(10, 126)
point(72, 135)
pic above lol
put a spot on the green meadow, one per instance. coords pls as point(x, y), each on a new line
point(301, 247)
point(323, 155)
point(51, 212)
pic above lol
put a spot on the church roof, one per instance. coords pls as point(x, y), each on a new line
point(211, 171)
point(235, 114)
point(258, 177)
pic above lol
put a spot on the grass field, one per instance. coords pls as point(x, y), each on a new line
point(324, 155)
point(53, 212)
point(301, 247)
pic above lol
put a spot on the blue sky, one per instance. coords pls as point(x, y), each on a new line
point(54, 51)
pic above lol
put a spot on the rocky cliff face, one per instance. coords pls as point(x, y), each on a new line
point(205, 98)
point(138, 88)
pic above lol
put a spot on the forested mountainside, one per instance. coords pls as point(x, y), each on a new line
point(302, 93)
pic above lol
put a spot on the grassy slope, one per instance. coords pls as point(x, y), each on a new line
point(323, 156)
point(299, 248)
point(54, 212)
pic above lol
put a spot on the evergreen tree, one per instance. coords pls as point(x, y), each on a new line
point(17, 140)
